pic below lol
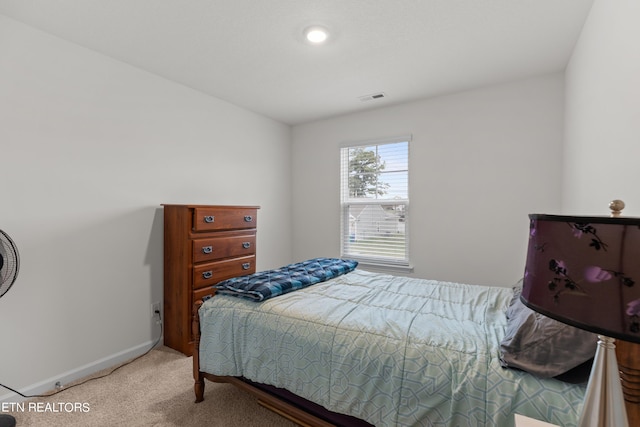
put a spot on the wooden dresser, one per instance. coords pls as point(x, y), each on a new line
point(203, 245)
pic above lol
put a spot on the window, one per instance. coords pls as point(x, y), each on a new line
point(375, 201)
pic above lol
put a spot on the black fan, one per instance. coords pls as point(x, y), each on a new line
point(9, 262)
point(9, 266)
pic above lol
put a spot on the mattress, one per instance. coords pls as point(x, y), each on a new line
point(393, 351)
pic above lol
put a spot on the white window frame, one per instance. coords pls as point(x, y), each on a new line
point(377, 262)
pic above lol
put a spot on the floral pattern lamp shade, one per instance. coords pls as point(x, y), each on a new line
point(585, 271)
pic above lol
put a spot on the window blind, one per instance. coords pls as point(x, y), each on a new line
point(375, 201)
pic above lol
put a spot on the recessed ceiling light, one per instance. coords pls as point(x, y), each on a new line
point(316, 34)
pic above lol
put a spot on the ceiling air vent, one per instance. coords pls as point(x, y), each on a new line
point(371, 97)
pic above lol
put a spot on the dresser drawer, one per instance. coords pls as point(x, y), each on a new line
point(213, 272)
point(216, 219)
point(223, 247)
point(204, 292)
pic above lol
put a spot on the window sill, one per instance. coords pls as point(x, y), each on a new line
point(385, 268)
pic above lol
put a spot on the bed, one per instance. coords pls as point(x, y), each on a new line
point(361, 348)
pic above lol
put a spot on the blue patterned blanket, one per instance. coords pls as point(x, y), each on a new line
point(271, 283)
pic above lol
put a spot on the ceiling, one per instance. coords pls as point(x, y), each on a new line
point(251, 52)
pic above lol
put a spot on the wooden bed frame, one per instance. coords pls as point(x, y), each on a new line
point(297, 410)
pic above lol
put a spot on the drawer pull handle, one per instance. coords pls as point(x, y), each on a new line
point(209, 219)
point(248, 218)
point(246, 265)
point(246, 245)
point(207, 249)
point(207, 274)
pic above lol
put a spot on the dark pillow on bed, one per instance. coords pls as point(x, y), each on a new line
point(540, 345)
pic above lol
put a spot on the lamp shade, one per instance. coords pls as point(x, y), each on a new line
point(585, 271)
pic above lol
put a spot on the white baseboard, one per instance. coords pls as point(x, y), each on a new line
point(48, 385)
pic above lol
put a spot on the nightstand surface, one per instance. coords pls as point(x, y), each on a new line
point(522, 421)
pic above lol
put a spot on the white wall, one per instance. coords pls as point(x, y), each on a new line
point(603, 112)
point(89, 149)
point(480, 162)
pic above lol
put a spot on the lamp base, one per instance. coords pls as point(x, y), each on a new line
point(603, 401)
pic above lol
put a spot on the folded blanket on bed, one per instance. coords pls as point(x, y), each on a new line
point(271, 283)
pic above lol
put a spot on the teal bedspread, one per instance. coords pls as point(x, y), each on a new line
point(393, 351)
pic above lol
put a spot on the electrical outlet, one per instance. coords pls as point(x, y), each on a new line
point(155, 312)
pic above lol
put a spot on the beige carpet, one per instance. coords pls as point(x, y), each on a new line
point(155, 390)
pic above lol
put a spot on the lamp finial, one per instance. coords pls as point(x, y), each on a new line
point(616, 207)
